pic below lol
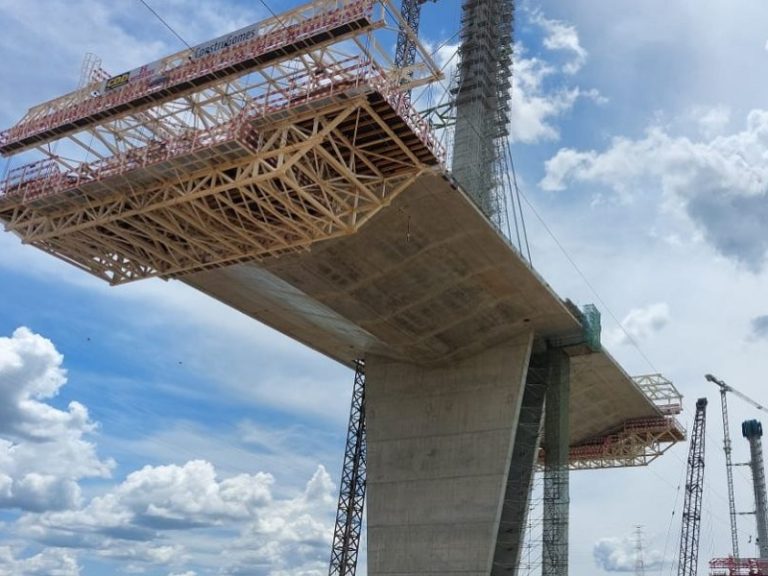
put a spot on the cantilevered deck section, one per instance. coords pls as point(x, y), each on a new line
point(280, 170)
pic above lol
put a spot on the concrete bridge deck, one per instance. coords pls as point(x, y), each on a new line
point(429, 281)
point(329, 216)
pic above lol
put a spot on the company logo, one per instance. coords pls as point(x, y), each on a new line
point(117, 81)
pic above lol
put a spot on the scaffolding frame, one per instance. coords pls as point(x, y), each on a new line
point(272, 155)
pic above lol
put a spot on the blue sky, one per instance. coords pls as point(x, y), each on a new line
point(148, 429)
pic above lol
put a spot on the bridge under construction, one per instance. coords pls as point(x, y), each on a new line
point(284, 170)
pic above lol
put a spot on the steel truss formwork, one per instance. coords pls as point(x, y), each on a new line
point(288, 132)
point(640, 441)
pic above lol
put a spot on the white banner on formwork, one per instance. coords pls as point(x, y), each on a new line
point(222, 42)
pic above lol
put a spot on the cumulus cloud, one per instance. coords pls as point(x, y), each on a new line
point(148, 518)
point(561, 36)
point(712, 120)
point(640, 324)
point(43, 450)
point(49, 562)
point(619, 555)
point(721, 183)
point(535, 104)
point(144, 519)
point(154, 499)
point(293, 539)
point(533, 107)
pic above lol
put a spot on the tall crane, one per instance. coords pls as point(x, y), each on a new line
point(349, 514)
point(728, 463)
point(725, 388)
point(405, 51)
point(694, 490)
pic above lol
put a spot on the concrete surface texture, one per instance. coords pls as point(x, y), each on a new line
point(427, 281)
point(440, 441)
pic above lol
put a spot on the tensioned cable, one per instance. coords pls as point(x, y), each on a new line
point(587, 282)
point(148, 7)
point(519, 193)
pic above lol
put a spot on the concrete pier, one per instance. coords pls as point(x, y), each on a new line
point(440, 442)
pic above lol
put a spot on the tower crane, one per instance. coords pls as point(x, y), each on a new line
point(728, 463)
point(725, 388)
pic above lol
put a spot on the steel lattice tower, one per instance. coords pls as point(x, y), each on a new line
point(349, 514)
point(694, 489)
point(405, 51)
point(482, 99)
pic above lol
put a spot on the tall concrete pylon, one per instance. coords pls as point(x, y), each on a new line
point(482, 98)
point(752, 430)
point(442, 441)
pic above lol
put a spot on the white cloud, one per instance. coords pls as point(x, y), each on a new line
point(720, 184)
point(713, 120)
point(620, 555)
point(561, 36)
point(533, 108)
point(146, 519)
point(293, 539)
point(49, 562)
point(535, 105)
point(43, 450)
point(639, 324)
point(155, 499)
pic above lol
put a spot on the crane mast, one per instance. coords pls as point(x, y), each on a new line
point(405, 51)
point(728, 463)
point(694, 489)
point(724, 388)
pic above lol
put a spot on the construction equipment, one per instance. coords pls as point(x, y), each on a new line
point(752, 430)
point(728, 463)
point(724, 388)
point(349, 514)
point(694, 489)
point(405, 52)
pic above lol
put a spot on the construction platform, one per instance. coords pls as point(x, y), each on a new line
point(283, 170)
point(312, 197)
